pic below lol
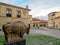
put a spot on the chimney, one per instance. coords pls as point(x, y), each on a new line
point(26, 6)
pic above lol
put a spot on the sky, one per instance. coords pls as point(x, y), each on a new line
point(38, 7)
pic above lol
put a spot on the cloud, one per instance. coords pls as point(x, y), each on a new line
point(42, 17)
point(44, 12)
point(43, 8)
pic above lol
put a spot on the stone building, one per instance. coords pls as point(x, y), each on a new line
point(35, 22)
point(43, 23)
point(12, 13)
point(57, 20)
point(54, 20)
point(51, 19)
point(30, 20)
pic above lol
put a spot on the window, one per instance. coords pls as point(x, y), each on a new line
point(34, 25)
point(53, 24)
point(53, 14)
point(52, 17)
point(19, 14)
point(8, 12)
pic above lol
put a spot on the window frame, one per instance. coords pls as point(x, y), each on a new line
point(18, 14)
point(8, 12)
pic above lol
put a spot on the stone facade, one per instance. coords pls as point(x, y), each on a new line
point(30, 20)
point(54, 20)
point(35, 22)
point(43, 23)
point(51, 19)
point(11, 13)
point(57, 20)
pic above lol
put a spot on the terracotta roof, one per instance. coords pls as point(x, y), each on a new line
point(1, 3)
point(35, 19)
point(43, 21)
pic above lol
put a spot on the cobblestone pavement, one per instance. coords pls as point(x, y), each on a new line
point(43, 31)
point(46, 31)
